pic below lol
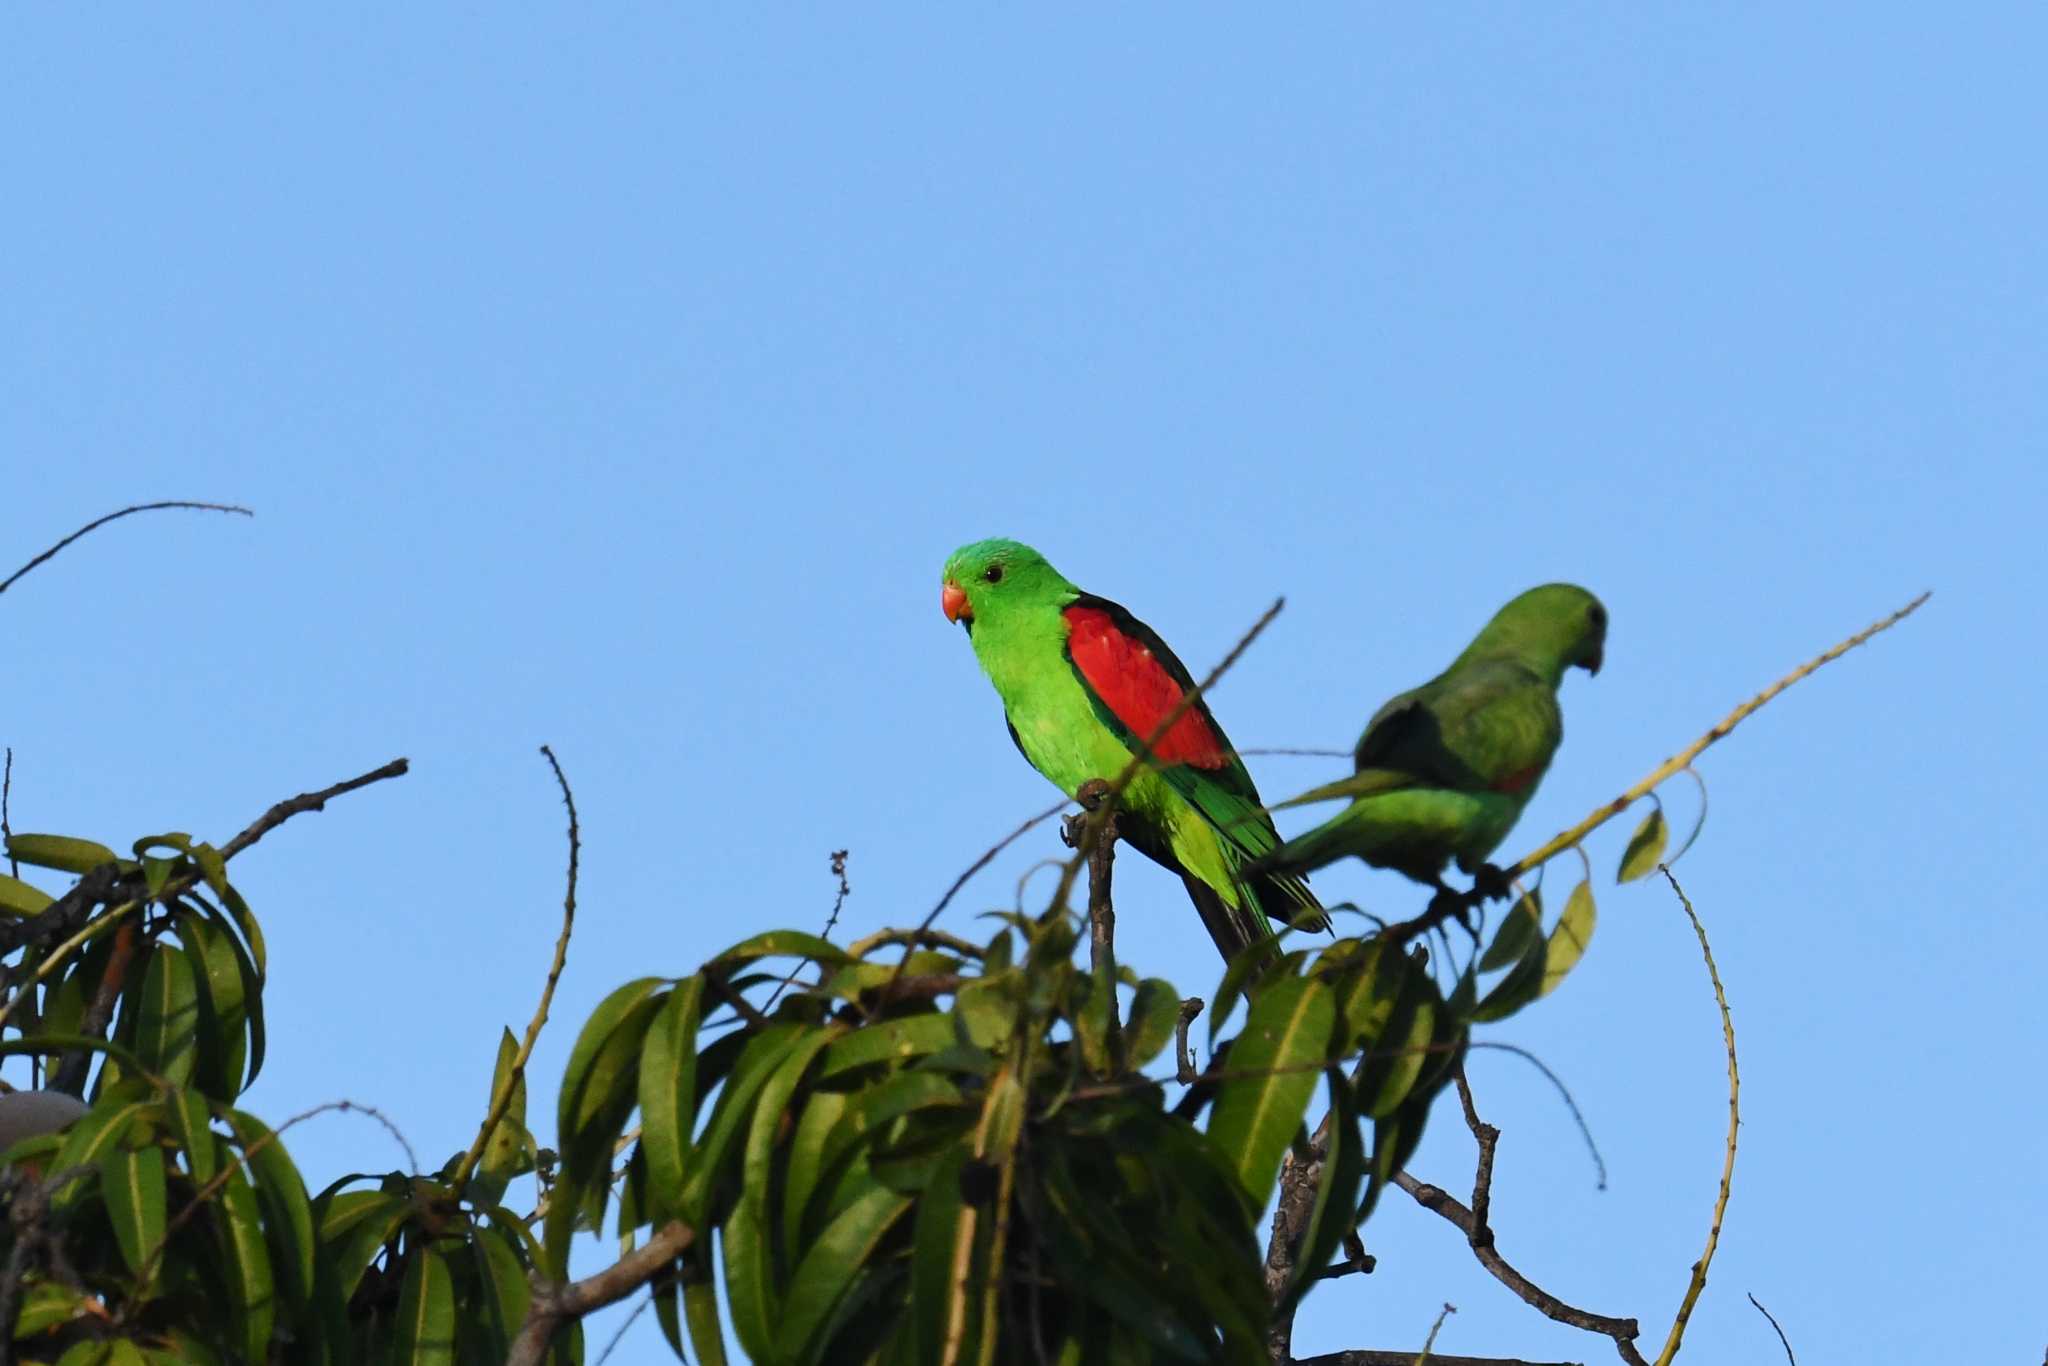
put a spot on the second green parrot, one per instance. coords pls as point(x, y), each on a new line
point(1444, 770)
point(1083, 684)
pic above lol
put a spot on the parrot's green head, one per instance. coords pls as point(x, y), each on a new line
point(994, 579)
point(1550, 629)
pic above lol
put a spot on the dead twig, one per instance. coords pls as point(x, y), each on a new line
point(99, 522)
point(1783, 1341)
point(308, 801)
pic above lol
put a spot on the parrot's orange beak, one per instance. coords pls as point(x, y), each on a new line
point(953, 602)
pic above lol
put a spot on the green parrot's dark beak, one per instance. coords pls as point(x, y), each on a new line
point(1592, 663)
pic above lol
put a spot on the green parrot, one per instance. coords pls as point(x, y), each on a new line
point(1444, 770)
point(1083, 683)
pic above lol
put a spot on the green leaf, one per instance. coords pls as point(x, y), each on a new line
point(830, 1268)
point(763, 1054)
point(597, 1094)
point(232, 927)
point(986, 1009)
point(1645, 847)
point(212, 867)
point(353, 1226)
point(287, 1215)
point(1155, 1011)
point(768, 1117)
point(132, 1187)
point(1522, 985)
point(899, 1040)
point(61, 852)
point(46, 1304)
point(668, 1094)
point(505, 1152)
point(1403, 1051)
point(700, 1311)
point(426, 1310)
point(91, 1137)
point(935, 1241)
point(246, 1260)
point(1272, 1073)
point(748, 1281)
point(807, 1144)
point(223, 1001)
point(167, 1017)
point(1522, 927)
point(506, 1292)
point(1336, 1202)
point(781, 944)
point(187, 1117)
point(1569, 939)
point(18, 898)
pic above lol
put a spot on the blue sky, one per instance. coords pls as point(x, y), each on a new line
point(620, 380)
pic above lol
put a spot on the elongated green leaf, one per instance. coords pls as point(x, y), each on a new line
point(807, 1143)
point(1336, 1202)
point(1645, 847)
point(45, 1304)
point(1155, 1010)
point(830, 1267)
point(354, 1225)
point(505, 1152)
point(167, 1017)
point(1569, 939)
point(667, 1290)
point(1522, 927)
point(92, 1137)
point(782, 944)
point(426, 1310)
point(735, 1110)
point(287, 1214)
point(61, 852)
point(1521, 986)
point(900, 1040)
point(597, 1095)
point(238, 928)
point(943, 1219)
point(1403, 1052)
point(132, 1186)
point(668, 1094)
point(223, 1001)
point(700, 1311)
point(506, 1292)
point(246, 1260)
point(19, 898)
point(768, 1116)
point(1273, 1068)
point(749, 1288)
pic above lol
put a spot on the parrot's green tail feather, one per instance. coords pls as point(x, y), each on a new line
point(1363, 783)
point(1233, 930)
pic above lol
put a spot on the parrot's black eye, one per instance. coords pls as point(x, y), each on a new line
point(1597, 614)
point(994, 573)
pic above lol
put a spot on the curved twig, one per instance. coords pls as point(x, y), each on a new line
point(99, 522)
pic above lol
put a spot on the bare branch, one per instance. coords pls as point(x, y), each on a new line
point(1565, 839)
point(930, 939)
point(1384, 1358)
point(1782, 1339)
point(988, 856)
point(553, 1305)
point(1699, 1268)
point(99, 522)
point(501, 1099)
point(7, 800)
point(308, 801)
point(1183, 1057)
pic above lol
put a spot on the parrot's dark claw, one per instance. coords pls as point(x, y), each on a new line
point(1490, 883)
point(1452, 905)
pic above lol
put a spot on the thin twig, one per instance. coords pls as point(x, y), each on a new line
point(7, 800)
point(1435, 1328)
point(501, 1098)
point(1564, 1092)
point(1183, 1056)
point(620, 1335)
point(1699, 1269)
point(930, 939)
point(553, 1304)
point(307, 801)
point(987, 857)
point(1782, 1339)
point(838, 871)
point(1300, 753)
point(1368, 1357)
point(77, 1065)
point(1565, 839)
point(99, 522)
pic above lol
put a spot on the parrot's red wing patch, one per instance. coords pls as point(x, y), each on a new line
point(1139, 690)
point(1515, 783)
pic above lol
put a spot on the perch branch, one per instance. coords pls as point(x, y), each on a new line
point(555, 1304)
point(501, 1099)
point(1699, 1269)
point(1565, 839)
point(308, 801)
point(1783, 1341)
point(99, 522)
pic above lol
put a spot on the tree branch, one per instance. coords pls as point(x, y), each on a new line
point(1382, 1358)
point(99, 522)
point(501, 1100)
point(307, 801)
point(1565, 839)
point(553, 1305)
